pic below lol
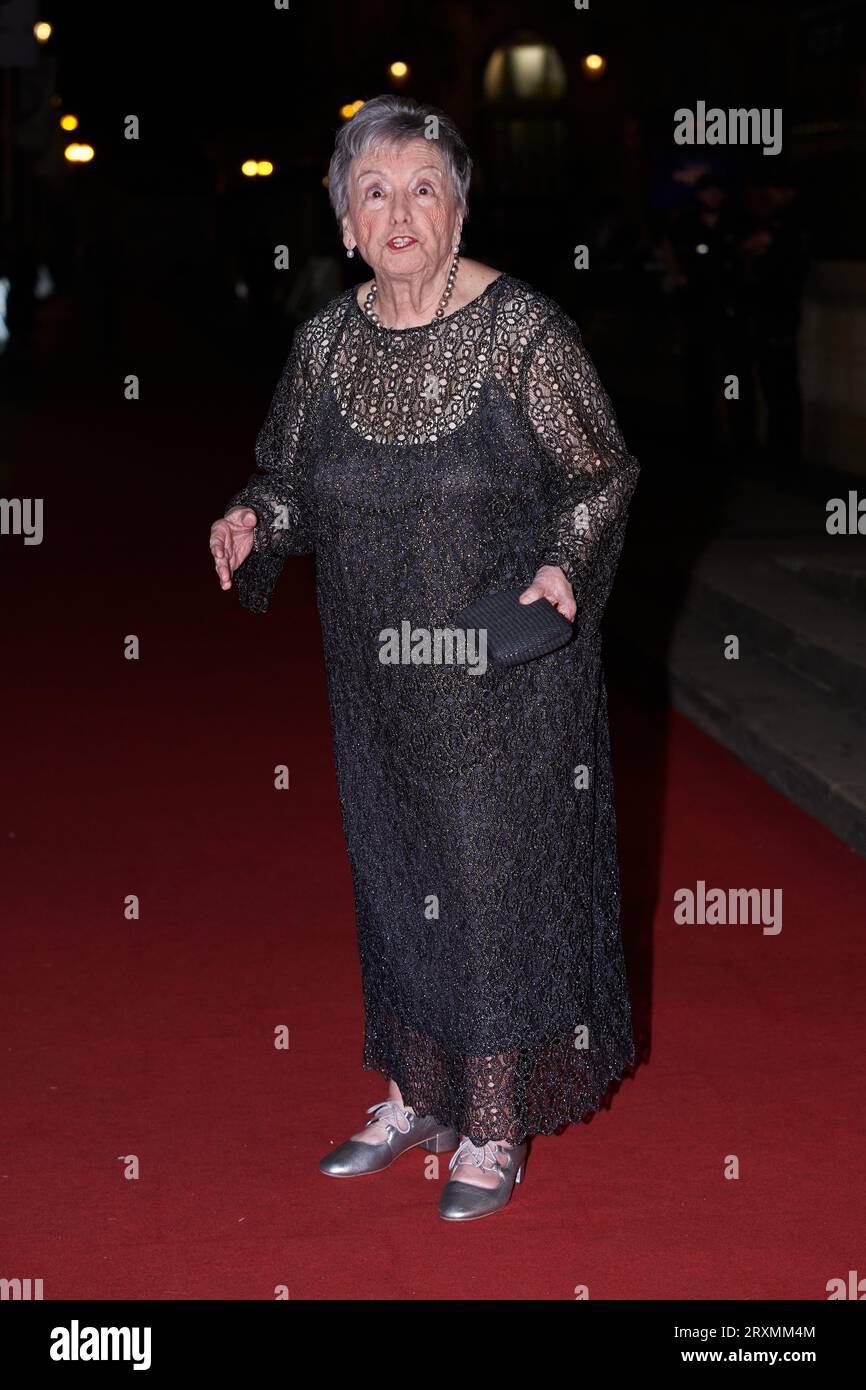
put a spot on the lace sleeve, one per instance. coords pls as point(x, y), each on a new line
point(571, 415)
point(277, 490)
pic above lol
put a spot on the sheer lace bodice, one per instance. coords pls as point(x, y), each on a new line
point(418, 386)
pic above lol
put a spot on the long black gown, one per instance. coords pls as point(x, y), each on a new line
point(425, 467)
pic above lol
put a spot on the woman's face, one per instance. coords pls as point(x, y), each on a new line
point(402, 214)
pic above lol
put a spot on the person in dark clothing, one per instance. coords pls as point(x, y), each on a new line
point(440, 432)
point(774, 257)
point(701, 252)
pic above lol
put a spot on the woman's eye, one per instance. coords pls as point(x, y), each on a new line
point(425, 188)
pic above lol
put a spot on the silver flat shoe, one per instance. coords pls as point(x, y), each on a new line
point(405, 1130)
point(463, 1201)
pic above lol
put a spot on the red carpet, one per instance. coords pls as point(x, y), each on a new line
point(155, 1037)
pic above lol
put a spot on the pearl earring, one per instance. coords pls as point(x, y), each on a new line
point(350, 252)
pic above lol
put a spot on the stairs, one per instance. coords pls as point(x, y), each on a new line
point(793, 705)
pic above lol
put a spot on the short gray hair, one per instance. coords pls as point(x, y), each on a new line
point(395, 120)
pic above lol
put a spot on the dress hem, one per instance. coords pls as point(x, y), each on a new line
point(573, 1116)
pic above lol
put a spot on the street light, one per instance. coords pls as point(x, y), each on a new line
point(79, 154)
point(68, 122)
point(42, 31)
point(593, 64)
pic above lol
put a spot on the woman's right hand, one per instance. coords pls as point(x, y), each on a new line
point(231, 540)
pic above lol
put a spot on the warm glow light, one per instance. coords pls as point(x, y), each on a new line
point(264, 167)
point(399, 70)
point(325, 181)
point(594, 64)
point(68, 122)
point(525, 70)
point(78, 154)
point(250, 167)
point(42, 31)
point(350, 109)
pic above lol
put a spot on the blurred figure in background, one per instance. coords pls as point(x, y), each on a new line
point(18, 267)
point(700, 253)
point(774, 256)
point(320, 275)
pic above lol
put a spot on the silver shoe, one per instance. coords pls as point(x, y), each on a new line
point(463, 1201)
point(405, 1130)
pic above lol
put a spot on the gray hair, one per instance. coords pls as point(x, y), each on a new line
point(395, 120)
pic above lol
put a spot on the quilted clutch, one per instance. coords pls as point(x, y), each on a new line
point(516, 632)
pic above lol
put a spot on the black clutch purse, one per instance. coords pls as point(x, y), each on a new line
point(516, 632)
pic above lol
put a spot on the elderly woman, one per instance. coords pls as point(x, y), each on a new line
point(438, 434)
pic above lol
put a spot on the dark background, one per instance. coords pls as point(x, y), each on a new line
point(156, 259)
point(169, 221)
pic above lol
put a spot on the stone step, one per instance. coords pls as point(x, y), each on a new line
point(835, 578)
point(787, 729)
point(762, 599)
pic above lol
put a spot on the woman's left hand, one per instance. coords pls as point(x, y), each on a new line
point(551, 583)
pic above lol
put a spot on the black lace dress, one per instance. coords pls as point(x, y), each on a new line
point(425, 467)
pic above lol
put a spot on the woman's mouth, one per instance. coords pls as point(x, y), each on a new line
point(400, 243)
